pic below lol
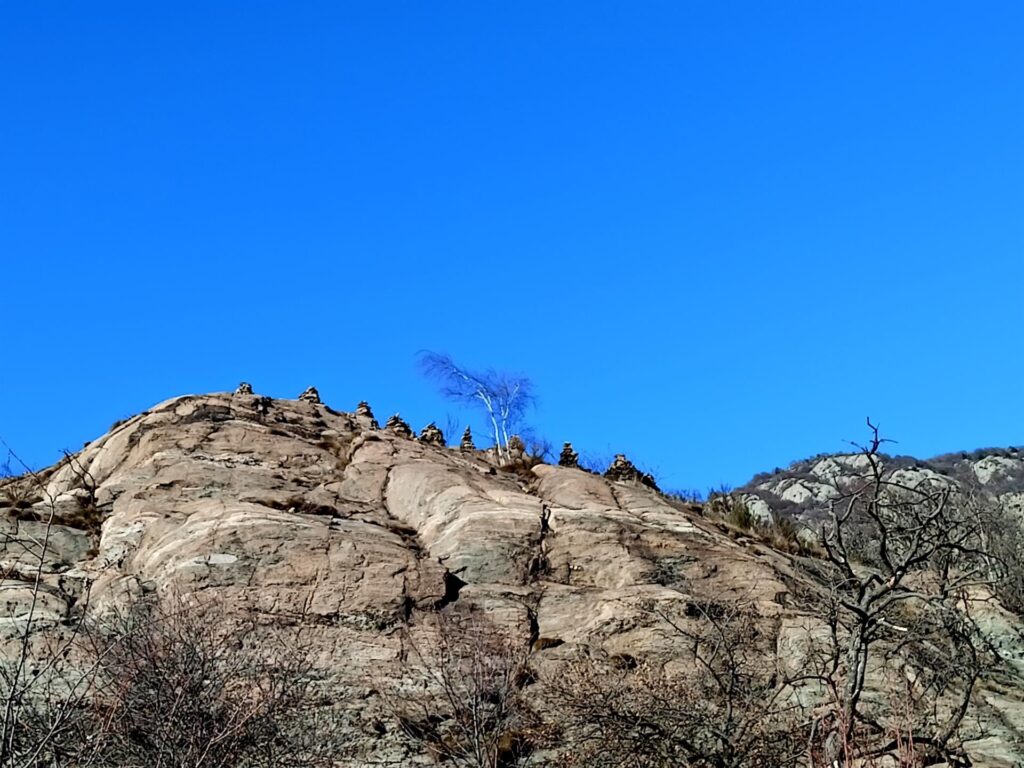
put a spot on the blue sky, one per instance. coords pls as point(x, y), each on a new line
point(716, 235)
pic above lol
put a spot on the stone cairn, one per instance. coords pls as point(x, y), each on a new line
point(245, 388)
point(363, 410)
point(516, 450)
point(568, 457)
point(432, 435)
point(310, 396)
point(398, 426)
point(624, 471)
point(466, 444)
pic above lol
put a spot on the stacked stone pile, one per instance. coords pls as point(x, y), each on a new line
point(364, 412)
point(432, 435)
point(568, 457)
point(397, 425)
point(622, 470)
point(310, 395)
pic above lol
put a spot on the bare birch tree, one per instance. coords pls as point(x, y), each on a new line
point(504, 397)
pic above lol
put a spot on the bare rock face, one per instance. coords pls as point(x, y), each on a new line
point(432, 435)
point(805, 489)
point(291, 514)
point(310, 395)
point(568, 457)
point(399, 427)
point(466, 444)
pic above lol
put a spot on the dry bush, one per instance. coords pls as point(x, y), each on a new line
point(729, 707)
point(734, 517)
point(461, 695)
point(42, 694)
point(185, 685)
point(168, 685)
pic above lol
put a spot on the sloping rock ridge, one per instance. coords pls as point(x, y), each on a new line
point(294, 512)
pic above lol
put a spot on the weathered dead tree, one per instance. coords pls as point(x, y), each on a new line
point(907, 562)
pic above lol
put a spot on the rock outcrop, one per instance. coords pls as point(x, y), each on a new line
point(287, 513)
point(245, 388)
point(803, 491)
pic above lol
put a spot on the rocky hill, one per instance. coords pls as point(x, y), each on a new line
point(802, 491)
point(292, 512)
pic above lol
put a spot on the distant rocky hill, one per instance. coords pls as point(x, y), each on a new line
point(802, 491)
point(288, 511)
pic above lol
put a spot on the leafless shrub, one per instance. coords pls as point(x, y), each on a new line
point(42, 695)
point(184, 685)
point(684, 495)
point(727, 707)
point(1004, 540)
point(539, 449)
point(734, 516)
point(461, 696)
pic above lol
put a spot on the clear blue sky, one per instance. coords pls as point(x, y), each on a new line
point(717, 234)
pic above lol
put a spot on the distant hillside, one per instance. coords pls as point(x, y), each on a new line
point(802, 491)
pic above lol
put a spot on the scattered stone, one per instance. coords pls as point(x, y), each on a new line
point(568, 457)
point(363, 410)
point(623, 470)
point(467, 444)
point(245, 388)
point(399, 427)
point(432, 435)
point(310, 395)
